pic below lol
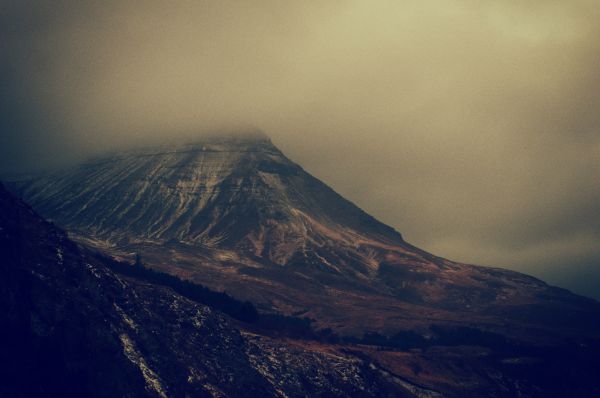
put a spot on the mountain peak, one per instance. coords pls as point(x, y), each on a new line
point(227, 190)
point(249, 136)
point(220, 141)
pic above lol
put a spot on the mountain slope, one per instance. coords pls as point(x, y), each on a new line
point(238, 193)
point(217, 191)
point(235, 214)
point(71, 327)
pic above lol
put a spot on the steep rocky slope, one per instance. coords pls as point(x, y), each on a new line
point(71, 327)
point(235, 214)
point(238, 192)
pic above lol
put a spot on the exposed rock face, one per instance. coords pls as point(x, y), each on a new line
point(236, 192)
point(70, 327)
point(235, 214)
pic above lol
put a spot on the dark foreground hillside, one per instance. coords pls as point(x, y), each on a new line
point(71, 327)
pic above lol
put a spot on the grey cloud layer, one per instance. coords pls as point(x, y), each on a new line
point(470, 126)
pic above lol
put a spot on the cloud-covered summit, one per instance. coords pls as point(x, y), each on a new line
point(470, 126)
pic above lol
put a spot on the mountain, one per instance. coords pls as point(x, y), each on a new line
point(235, 192)
point(72, 327)
point(235, 214)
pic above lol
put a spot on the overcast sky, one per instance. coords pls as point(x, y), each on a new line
point(471, 126)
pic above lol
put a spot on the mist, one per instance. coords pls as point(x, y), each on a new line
point(472, 127)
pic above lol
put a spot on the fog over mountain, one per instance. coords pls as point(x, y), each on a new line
point(469, 126)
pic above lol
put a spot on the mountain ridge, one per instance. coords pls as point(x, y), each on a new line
point(252, 166)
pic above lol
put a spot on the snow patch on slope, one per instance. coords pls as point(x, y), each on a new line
point(153, 382)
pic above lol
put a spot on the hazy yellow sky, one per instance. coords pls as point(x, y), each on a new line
point(473, 127)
